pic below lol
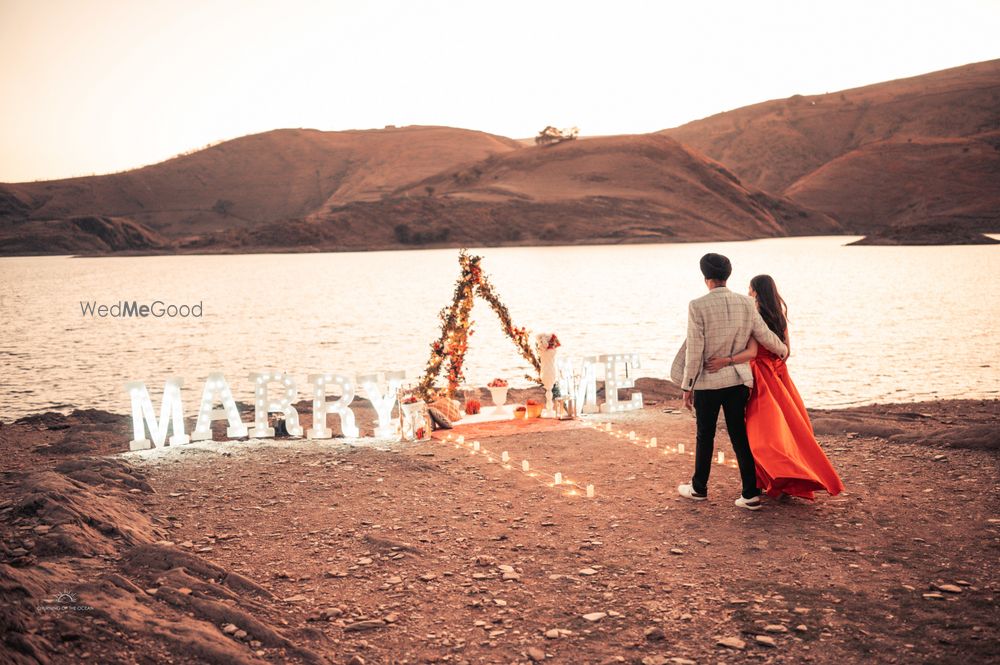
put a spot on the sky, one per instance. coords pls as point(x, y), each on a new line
point(98, 86)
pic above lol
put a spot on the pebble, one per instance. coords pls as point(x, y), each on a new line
point(595, 616)
point(775, 628)
point(654, 634)
point(427, 577)
point(676, 660)
point(229, 629)
point(766, 640)
point(356, 660)
point(536, 654)
point(732, 643)
point(395, 579)
point(686, 617)
point(511, 577)
point(676, 550)
point(552, 634)
point(298, 598)
point(949, 588)
point(655, 660)
point(801, 610)
point(933, 596)
point(801, 628)
point(587, 572)
point(364, 561)
point(368, 624)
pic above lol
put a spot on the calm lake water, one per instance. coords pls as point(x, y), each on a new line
point(868, 324)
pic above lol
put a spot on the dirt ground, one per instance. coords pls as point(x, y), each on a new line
point(302, 551)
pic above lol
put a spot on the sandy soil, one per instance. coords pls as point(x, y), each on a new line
point(299, 551)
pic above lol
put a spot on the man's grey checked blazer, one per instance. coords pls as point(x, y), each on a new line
point(720, 324)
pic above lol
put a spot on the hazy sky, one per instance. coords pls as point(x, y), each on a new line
point(94, 86)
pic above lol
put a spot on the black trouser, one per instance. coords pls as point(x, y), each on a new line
point(733, 402)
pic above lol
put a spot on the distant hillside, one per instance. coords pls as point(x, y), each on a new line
point(304, 190)
point(280, 174)
point(863, 155)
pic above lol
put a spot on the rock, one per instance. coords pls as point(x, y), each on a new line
point(552, 634)
point(506, 569)
point(595, 616)
point(391, 617)
point(766, 640)
point(676, 660)
point(367, 624)
point(655, 660)
point(229, 629)
point(536, 654)
point(587, 572)
point(427, 577)
point(298, 598)
point(511, 577)
point(365, 561)
point(732, 643)
point(240, 634)
point(654, 634)
point(676, 550)
point(933, 596)
point(801, 610)
point(354, 660)
point(775, 628)
point(949, 588)
point(395, 580)
point(801, 628)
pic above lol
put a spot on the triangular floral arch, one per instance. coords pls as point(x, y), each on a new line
point(456, 328)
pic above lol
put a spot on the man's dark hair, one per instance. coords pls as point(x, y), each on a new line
point(716, 266)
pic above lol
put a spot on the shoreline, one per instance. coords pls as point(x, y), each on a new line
point(881, 239)
point(292, 550)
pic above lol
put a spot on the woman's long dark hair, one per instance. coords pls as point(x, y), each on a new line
point(771, 305)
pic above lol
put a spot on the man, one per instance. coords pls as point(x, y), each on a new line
point(719, 325)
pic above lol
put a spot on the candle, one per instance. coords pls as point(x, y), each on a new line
point(558, 478)
point(505, 457)
point(722, 457)
point(524, 465)
point(680, 447)
point(652, 442)
point(590, 491)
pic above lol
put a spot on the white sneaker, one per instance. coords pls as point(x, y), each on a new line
point(749, 504)
point(687, 491)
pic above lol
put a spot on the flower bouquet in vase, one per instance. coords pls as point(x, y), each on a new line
point(546, 344)
point(498, 392)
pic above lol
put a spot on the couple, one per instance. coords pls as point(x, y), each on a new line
point(733, 360)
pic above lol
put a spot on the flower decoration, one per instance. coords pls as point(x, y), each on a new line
point(497, 383)
point(448, 351)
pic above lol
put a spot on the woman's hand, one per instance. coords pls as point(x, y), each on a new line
point(715, 364)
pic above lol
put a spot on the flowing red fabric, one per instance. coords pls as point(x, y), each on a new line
point(789, 460)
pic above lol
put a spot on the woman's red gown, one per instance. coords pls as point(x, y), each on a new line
point(789, 460)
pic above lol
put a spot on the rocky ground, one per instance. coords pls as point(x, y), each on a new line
point(299, 551)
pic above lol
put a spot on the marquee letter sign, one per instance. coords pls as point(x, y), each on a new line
point(341, 407)
point(171, 413)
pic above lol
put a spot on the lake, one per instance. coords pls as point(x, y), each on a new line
point(868, 324)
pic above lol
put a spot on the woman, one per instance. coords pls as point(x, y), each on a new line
point(788, 458)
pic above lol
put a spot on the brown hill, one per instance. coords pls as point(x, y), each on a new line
point(260, 178)
point(644, 188)
point(306, 190)
point(916, 182)
point(786, 146)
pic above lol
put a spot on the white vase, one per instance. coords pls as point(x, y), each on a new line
point(499, 396)
point(548, 376)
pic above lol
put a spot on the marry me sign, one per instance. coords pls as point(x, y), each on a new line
point(277, 392)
